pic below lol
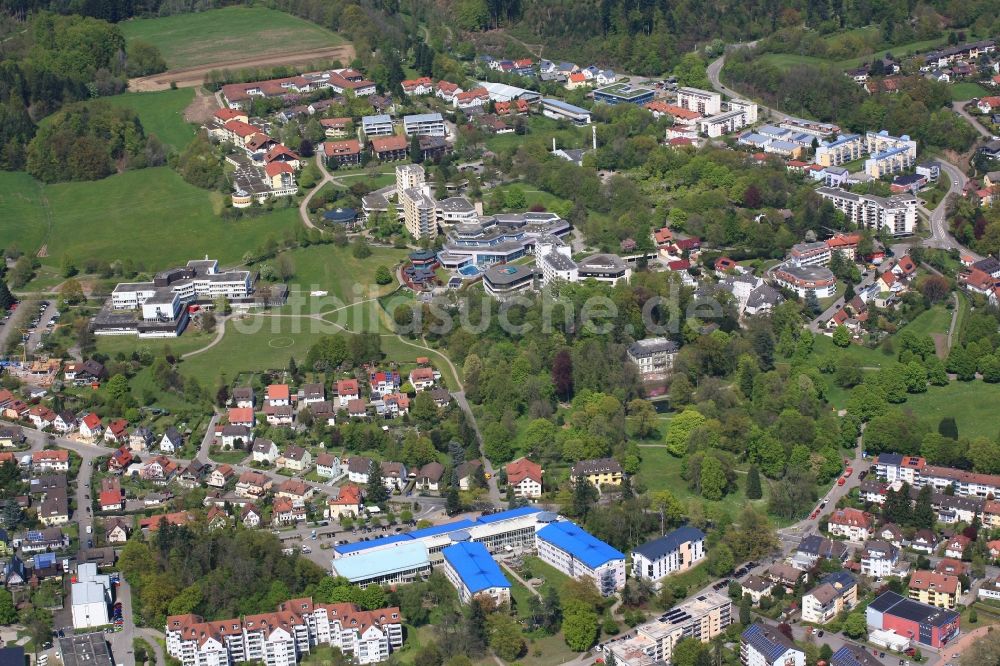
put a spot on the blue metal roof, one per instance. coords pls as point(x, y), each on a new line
point(382, 562)
point(571, 538)
point(507, 515)
point(365, 545)
point(767, 643)
point(453, 526)
point(474, 565)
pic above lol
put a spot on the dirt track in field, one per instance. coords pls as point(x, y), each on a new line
point(190, 77)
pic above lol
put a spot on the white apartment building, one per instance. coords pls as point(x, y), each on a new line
point(409, 176)
point(810, 254)
point(379, 125)
point(91, 596)
point(889, 154)
point(761, 645)
point(703, 618)
point(676, 552)
point(653, 356)
point(424, 124)
point(878, 559)
point(896, 214)
point(740, 115)
point(836, 593)
point(704, 102)
point(419, 212)
point(577, 554)
point(283, 637)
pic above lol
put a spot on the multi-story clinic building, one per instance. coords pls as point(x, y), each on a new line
point(473, 572)
point(678, 551)
point(578, 554)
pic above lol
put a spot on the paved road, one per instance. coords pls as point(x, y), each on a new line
point(817, 324)
point(715, 68)
point(207, 440)
point(959, 108)
point(304, 206)
point(940, 236)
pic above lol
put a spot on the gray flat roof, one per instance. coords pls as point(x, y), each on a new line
point(85, 650)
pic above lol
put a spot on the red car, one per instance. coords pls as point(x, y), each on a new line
point(842, 480)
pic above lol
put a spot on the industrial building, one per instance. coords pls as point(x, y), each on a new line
point(912, 620)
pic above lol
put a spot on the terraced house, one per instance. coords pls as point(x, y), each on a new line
point(285, 636)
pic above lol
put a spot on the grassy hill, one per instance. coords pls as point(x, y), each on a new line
point(161, 113)
point(220, 35)
point(151, 216)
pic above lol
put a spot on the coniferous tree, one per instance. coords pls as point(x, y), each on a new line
point(753, 483)
point(376, 491)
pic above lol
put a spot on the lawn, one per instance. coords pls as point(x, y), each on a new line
point(162, 114)
point(150, 216)
point(874, 358)
point(540, 127)
point(335, 270)
point(966, 90)
point(787, 60)
point(26, 216)
point(929, 322)
point(534, 196)
point(973, 404)
point(231, 33)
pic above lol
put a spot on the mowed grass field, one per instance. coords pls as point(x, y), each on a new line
point(786, 60)
point(966, 90)
point(973, 404)
point(162, 113)
point(150, 216)
point(231, 33)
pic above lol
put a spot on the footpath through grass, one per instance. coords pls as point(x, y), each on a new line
point(231, 33)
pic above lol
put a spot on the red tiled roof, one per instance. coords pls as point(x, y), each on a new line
point(522, 469)
point(241, 129)
point(274, 168)
point(851, 518)
point(92, 420)
point(241, 415)
point(347, 386)
point(381, 144)
point(348, 147)
point(338, 123)
point(110, 498)
point(226, 115)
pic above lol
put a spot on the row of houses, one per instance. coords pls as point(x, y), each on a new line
point(339, 81)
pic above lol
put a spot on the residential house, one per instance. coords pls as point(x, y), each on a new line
point(757, 587)
point(160, 470)
point(117, 432)
point(347, 390)
point(172, 441)
point(243, 397)
point(91, 426)
point(54, 509)
point(525, 477)
point(250, 516)
point(383, 382)
point(50, 460)
point(192, 475)
point(264, 450)
point(283, 415)
point(879, 559)
point(952, 567)
point(924, 541)
point(422, 379)
point(296, 490)
point(598, 472)
point(253, 485)
point(120, 459)
point(357, 409)
point(284, 512)
point(65, 422)
point(429, 476)
point(890, 533)
point(837, 592)
point(346, 501)
point(141, 439)
point(176, 519)
point(242, 416)
point(935, 589)
point(358, 468)
point(324, 412)
point(761, 645)
point(220, 476)
point(235, 436)
point(853, 524)
point(956, 546)
point(390, 148)
point(328, 466)
point(312, 393)
point(785, 575)
point(278, 395)
point(814, 547)
point(394, 475)
point(116, 530)
point(466, 471)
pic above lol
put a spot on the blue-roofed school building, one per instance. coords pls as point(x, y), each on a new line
point(576, 553)
point(762, 645)
point(405, 563)
point(676, 552)
point(474, 572)
point(560, 110)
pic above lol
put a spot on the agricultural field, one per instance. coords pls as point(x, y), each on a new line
point(231, 33)
point(151, 216)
